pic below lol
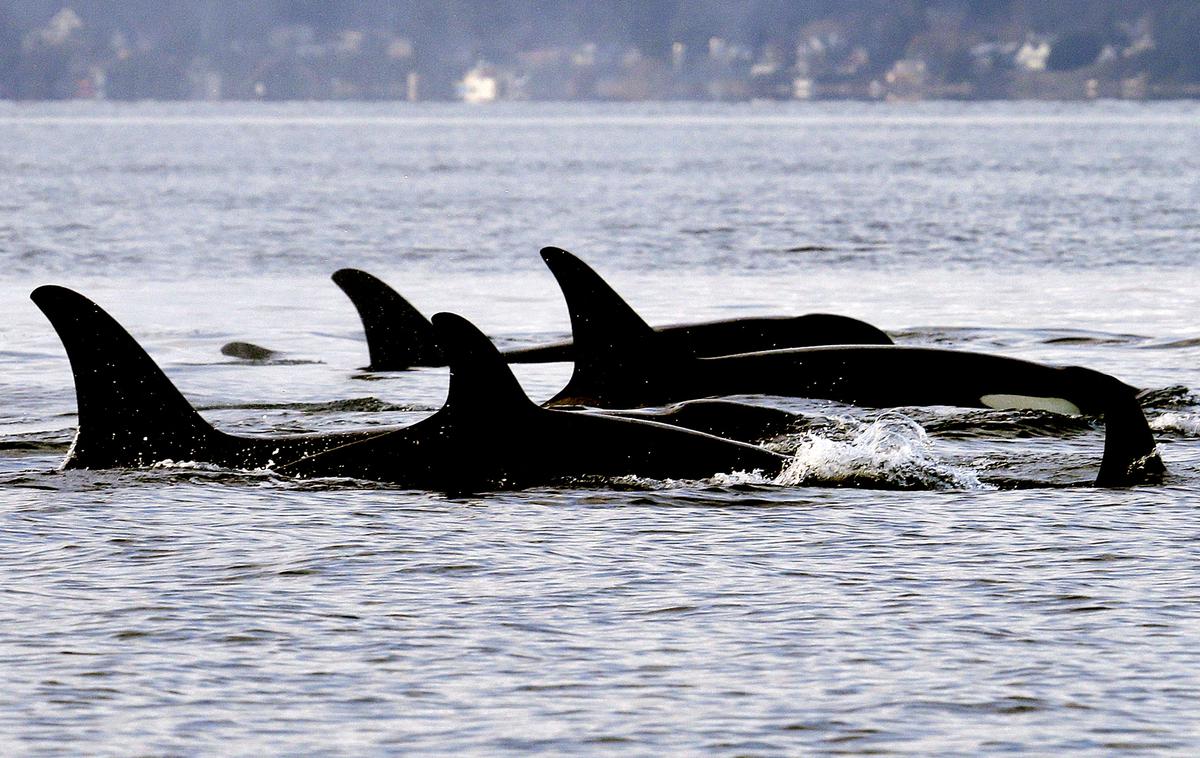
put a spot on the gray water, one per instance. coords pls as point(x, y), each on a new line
point(185, 609)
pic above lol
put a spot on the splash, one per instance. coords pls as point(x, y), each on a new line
point(1186, 424)
point(171, 464)
point(740, 478)
point(732, 479)
point(893, 452)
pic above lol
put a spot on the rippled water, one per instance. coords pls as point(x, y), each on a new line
point(195, 610)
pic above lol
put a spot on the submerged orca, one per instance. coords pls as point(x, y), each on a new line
point(620, 362)
point(399, 337)
point(248, 351)
point(488, 434)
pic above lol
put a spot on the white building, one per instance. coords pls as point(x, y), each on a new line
point(479, 85)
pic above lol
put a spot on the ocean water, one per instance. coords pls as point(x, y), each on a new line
point(184, 609)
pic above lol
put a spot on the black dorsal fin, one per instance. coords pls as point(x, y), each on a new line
point(600, 318)
point(130, 414)
point(398, 336)
point(611, 341)
point(481, 383)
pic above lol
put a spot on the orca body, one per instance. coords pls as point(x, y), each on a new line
point(487, 435)
point(399, 337)
point(722, 418)
point(621, 363)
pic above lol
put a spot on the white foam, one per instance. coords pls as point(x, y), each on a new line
point(893, 451)
point(741, 477)
point(732, 479)
point(1187, 424)
point(168, 463)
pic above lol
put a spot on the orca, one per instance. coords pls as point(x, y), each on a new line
point(487, 435)
point(400, 337)
point(620, 362)
point(131, 415)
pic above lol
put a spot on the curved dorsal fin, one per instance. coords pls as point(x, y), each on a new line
point(600, 318)
point(398, 336)
point(611, 341)
point(481, 383)
point(129, 412)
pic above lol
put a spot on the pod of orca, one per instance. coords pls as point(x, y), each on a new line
point(490, 435)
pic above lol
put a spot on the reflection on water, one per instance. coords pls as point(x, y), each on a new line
point(190, 609)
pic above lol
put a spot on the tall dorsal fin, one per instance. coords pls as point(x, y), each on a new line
point(398, 336)
point(129, 412)
point(600, 318)
point(611, 341)
point(481, 383)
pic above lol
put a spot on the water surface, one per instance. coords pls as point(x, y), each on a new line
point(188, 609)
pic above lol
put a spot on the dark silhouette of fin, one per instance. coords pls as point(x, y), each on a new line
point(481, 383)
point(130, 414)
point(608, 335)
point(1130, 452)
point(600, 318)
point(459, 449)
point(398, 336)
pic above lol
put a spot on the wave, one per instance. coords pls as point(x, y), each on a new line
point(1173, 396)
point(351, 405)
point(40, 442)
point(1183, 424)
point(1014, 337)
point(1018, 424)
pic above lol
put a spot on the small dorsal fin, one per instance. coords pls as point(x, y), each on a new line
point(611, 341)
point(481, 383)
point(130, 413)
point(398, 336)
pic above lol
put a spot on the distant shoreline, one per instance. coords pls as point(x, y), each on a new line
point(759, 102)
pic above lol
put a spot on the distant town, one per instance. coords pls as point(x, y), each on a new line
point(858, 49)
